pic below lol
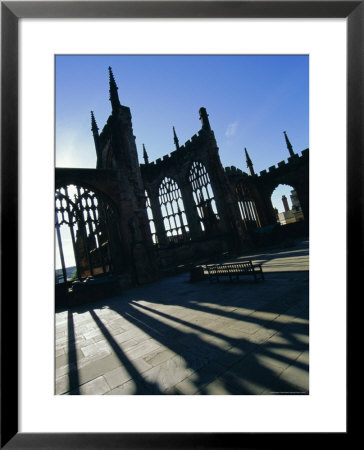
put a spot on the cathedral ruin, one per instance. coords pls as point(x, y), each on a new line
point(132, 223)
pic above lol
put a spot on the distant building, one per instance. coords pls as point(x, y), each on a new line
point(291, 215)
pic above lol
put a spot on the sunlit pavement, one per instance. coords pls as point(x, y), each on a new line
point(176, 337)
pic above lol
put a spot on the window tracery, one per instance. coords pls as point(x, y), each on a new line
point(81, 221)
point(151, 219)
point(173, 211)
point(204, 197)
point(247, 207)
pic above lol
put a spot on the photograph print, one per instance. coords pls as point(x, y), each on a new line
point(181, 225)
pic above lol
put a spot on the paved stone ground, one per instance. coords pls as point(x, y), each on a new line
point(177, 337)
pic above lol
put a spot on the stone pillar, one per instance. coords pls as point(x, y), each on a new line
point(158, 218)
point(191, 211)
point(303, 197)
point(266, 210)
point(222, 194)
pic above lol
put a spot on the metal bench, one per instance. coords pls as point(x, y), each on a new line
point(234, 270)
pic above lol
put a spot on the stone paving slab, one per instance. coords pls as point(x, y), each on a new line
point(173, 337)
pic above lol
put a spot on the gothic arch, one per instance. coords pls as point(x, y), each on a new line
point(103, 182)
point(247, 204)
point(203, 196)
point(286, 194)
point(90, 222)
point(151, 219)
point(283, 182)
point(173, 211)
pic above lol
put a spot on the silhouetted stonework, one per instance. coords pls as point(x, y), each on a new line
point(294, 172)
point(199, 209)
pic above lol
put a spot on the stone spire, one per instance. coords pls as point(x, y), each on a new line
point(95, 132)
point(289, 145)
point(175, 138)
point(249, 163)
point(114, 97)
point(145, 155)
point(204, 117)
point(94, 127)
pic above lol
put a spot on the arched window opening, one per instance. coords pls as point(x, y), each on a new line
point(173, 211)
point(247, 207)
point(82, 234)
point(286, 205)
point(204, 198)
point(151, 219)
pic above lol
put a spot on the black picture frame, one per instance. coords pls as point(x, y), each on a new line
point(11, 13)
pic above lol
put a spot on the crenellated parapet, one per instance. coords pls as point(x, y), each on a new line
point(283, 172)
point(292, 164)
point(234, 175)
point(233, 169)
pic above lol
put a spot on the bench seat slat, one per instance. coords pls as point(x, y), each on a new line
point(235, 269)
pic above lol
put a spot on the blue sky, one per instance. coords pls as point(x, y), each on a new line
point(250, 100)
